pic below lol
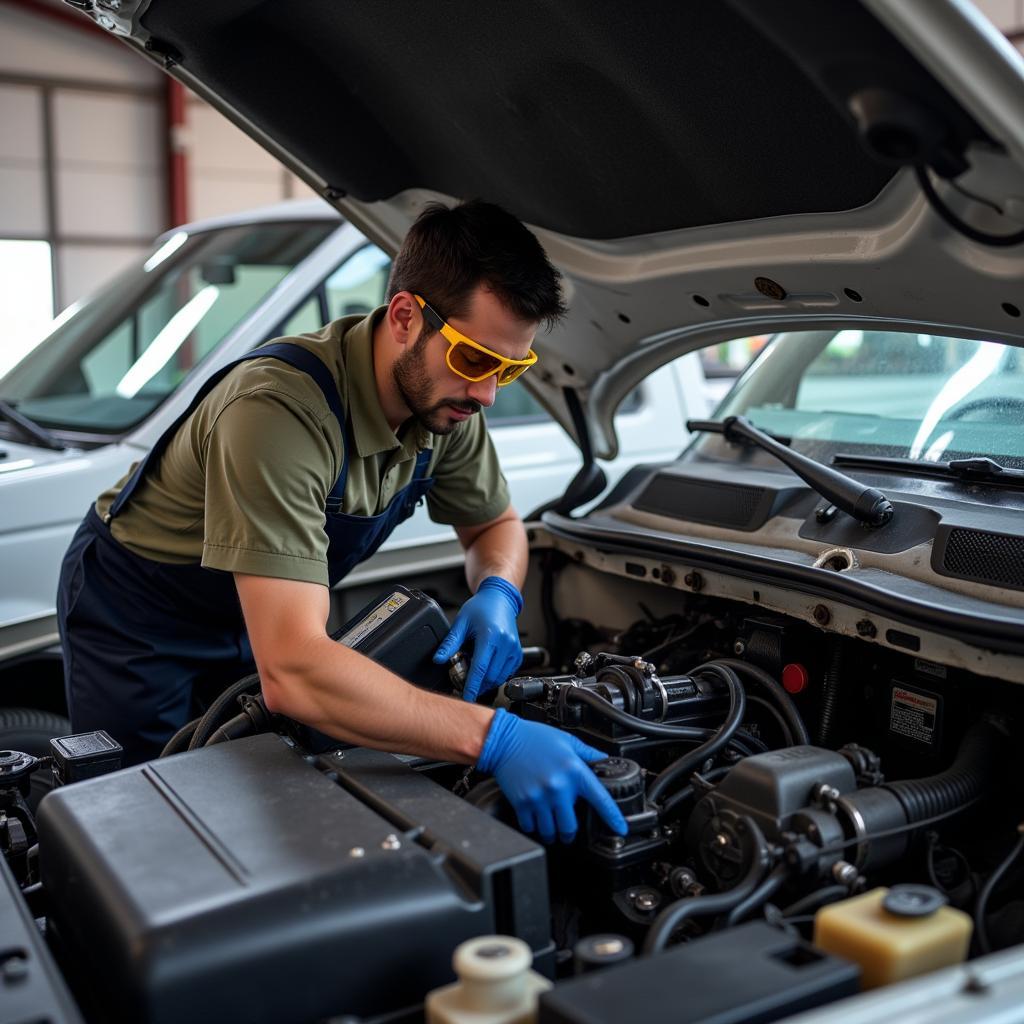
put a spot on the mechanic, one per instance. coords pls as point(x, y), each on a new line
point(291, 466)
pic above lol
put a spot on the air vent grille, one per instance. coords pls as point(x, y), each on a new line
point(699, 501)
point(989, 557)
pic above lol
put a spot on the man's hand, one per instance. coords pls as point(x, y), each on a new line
point(488, 620)
point(542, 771)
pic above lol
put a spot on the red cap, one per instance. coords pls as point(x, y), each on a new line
point(795, 677)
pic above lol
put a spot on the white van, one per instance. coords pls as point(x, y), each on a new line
point(119, 368)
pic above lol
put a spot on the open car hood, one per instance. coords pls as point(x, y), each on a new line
point(698, 172)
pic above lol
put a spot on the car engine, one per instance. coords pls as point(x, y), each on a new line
point(768, 770)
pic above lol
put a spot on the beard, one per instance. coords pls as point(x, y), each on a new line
point(414, 385)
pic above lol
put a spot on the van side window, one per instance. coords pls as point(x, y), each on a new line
point(514, 405)
point(358, 285)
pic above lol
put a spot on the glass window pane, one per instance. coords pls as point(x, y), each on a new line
point(304, 320)
point(119, 356)
point(918, 396)
point(358, 285)
point(26, 297)
point(514, 404)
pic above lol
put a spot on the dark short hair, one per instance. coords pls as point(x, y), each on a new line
point(448, 252)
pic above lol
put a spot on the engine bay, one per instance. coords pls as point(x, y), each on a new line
point(769, 767)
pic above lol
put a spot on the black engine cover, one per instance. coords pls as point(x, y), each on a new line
point(238, 882)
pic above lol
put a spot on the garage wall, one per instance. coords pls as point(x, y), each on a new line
point(84, 158)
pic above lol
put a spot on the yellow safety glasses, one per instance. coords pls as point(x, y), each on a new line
point(471, 360)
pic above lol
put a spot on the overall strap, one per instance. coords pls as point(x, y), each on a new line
point(422, 461)
point(294, 355)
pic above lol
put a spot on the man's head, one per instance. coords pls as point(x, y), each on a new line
point(487, 276)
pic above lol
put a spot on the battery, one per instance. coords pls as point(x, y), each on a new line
point(400, 629)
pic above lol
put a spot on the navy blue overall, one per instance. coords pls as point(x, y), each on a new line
point(142, 638)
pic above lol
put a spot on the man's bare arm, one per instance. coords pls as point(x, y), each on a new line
point(309, 677)
point(495, 548)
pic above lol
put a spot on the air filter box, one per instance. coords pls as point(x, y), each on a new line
point(244, 881)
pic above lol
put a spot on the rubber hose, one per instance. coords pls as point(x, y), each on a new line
point(777, 691)
point(816, 900)
point(719, 903)
point(684, 766)
point(830, 693)
point(180, 740)
point(963, 782)
point(787, 735)
point(981, 908)
point(210, 722)
point(654, 730)
point(761, 895)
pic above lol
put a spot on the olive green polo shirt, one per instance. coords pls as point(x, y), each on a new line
point(243, 484)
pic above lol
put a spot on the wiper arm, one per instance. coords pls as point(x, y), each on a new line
point(865, 504)
point(980, 469)
point(30, 429)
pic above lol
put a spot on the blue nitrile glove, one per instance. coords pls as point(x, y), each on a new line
point(488, 618)
point(542, 771)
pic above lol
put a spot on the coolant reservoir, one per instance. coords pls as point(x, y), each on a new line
point(495, 986)
point(894, 933)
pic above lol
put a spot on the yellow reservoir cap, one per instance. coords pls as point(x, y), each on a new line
point(893, 946)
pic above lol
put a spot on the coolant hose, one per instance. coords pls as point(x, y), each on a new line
point(962, 783)
point(690, 907)
point(211, 721)
point(776, 691)
point(686, 765)
point(181, 739)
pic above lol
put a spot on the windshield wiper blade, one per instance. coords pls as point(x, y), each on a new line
point(30, 429)
point(979, 468)
point(865, 504)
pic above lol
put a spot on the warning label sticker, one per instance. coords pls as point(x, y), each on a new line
point(913, 714)
point(362, 629)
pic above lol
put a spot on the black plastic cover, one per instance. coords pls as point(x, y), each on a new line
point(773, 786)
point(753, 973)
point(239, 882)
point(31, 988)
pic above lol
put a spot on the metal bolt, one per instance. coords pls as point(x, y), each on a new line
point(867, 628)
point(844, 873)
point(721, 840)
point(647, 901)
point(357, 851)
point(668, 575)
point(391, 842)
point(824, 792)
point(694, 580)
point(822, 616)
point(739, 647)
point(114, 5)
point(107, 23)
point(608, 947)
point(617, 842)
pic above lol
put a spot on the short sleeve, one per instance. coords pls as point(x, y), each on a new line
point(269, 465)
point(469, 487)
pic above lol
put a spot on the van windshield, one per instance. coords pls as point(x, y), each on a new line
point(918, 396)
point(105, 367)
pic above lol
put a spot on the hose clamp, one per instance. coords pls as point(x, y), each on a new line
point(656, 679)
point(860, 828)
